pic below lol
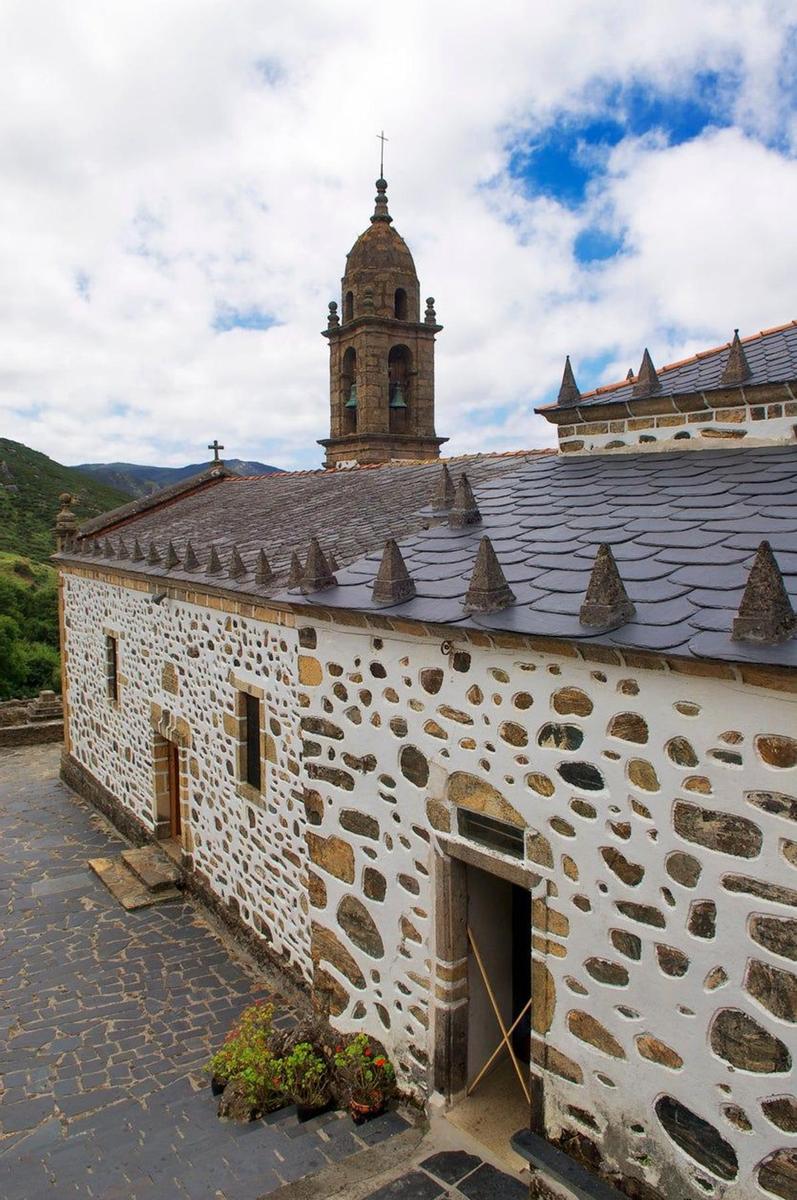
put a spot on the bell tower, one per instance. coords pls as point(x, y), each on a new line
point(381, 354)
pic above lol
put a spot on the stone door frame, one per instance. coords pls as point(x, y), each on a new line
point(450, 1007)
point(167, 731)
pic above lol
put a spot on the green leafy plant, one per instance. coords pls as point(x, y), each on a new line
point(246, 1060)
point(304, 1076)
point(364, 1075)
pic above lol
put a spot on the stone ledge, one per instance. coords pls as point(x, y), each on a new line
point(32, 733)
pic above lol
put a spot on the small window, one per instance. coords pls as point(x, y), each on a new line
point(252, 740)
point(496, 835)
point(348, 307)
point(400, 305)
point(112, 668)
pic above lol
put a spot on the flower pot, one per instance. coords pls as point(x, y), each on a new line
point(365, 1110)
point(306, 1112)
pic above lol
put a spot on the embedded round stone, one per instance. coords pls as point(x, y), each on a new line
point(414, 766)
point(778, 1173)
point(739, 1040)
point(629, 727)
point(683, 868)
point(571, 701)
point(589, 1029)
point(432, 680)
point(643, 775)
point(581, 775)
point(777, 750)
point(681, 751)
point(540, 784)
point(653, 1049)
point(356, 921)
point(697, 1138)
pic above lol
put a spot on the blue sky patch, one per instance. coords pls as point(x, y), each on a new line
point(562, 159)
point(242, 318)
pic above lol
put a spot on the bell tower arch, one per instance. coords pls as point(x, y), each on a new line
point(381, 353)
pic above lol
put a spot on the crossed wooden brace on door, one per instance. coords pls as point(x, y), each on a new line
point(506, 1034)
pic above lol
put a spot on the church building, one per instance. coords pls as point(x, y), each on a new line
point(496, 756)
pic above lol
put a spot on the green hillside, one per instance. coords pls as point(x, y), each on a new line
point(30, 484)
point(29, 659)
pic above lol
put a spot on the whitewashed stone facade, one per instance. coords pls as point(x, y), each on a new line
point(659, 815)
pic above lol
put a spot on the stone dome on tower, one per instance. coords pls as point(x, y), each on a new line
point(380, 259)
point(381, 353)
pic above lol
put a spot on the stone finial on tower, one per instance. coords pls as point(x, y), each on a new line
point(443, 497)
point(172, 557)
point(263, 571)
point(380, 208)
point(295, 573)
point(237, 567)
point(138, 553)
point(647, 381)
point(190, 560)
point(393, 583)
point(568, 389)
point(737, 368)
point(765, 613)
point(66, 521)
point(214, 566)
point(317, 575)
point(333, 320)
point(465, 511)
point(430, 316)
point(488, 590)
point(606, 601)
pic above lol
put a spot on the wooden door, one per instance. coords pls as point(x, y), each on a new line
point(174, 789)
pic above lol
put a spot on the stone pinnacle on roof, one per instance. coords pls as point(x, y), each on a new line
point(153, 558)
point(295, 573)
point(107, 549)
point(393, 583)
point(138, 553)
point(568, 389)
point(96, 549)
point(121, 549)
point(765, 613)
point(334, 565)
point(214, 566)
point(606, 601)
point(237, 568)
point(647, 381)
point(465, 511)
point(172, 557)
point(630, 375)
point(380, 208)
point(737, 368)
point(488, 590)
point(443, 498)
point(190, 560)
point(317, 574)
point(263, 571)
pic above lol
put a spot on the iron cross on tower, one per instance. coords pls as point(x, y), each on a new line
point(382, 139)
point(215, 446)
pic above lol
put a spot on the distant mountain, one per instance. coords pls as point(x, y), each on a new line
point(135, 480)
point(30, 484)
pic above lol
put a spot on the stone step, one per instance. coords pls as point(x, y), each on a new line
point(155, 870)
point(127, 888)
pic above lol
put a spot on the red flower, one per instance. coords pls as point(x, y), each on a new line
point(368, 1051)
point(379, 1062)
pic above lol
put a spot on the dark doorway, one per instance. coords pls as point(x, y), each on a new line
point(175, 824)
point(521, 970)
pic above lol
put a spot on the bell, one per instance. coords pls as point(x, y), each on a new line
point(397, 397)
point(352, 400)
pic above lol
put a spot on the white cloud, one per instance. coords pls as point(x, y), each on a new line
point(165, 161)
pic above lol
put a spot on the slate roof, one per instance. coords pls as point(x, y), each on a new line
point(771, 354)
point(683, 527)
point(350, 512)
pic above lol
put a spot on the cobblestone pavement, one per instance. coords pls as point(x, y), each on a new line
point(106, 1018)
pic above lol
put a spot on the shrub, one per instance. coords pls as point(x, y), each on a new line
point(246, 1060)
point(303, 1075)
point(365, 1076)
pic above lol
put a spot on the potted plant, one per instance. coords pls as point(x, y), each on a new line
point(242, 1071)
point(365, 1076)
point(303, 1075)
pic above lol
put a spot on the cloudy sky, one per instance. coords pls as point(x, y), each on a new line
point(182, 179)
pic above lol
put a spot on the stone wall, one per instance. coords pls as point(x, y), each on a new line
point(763, 421)
point(31, 722)
point(181, 666)
point(660, 812)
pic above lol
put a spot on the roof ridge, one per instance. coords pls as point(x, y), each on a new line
point(403, 462)
point(698, 356)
